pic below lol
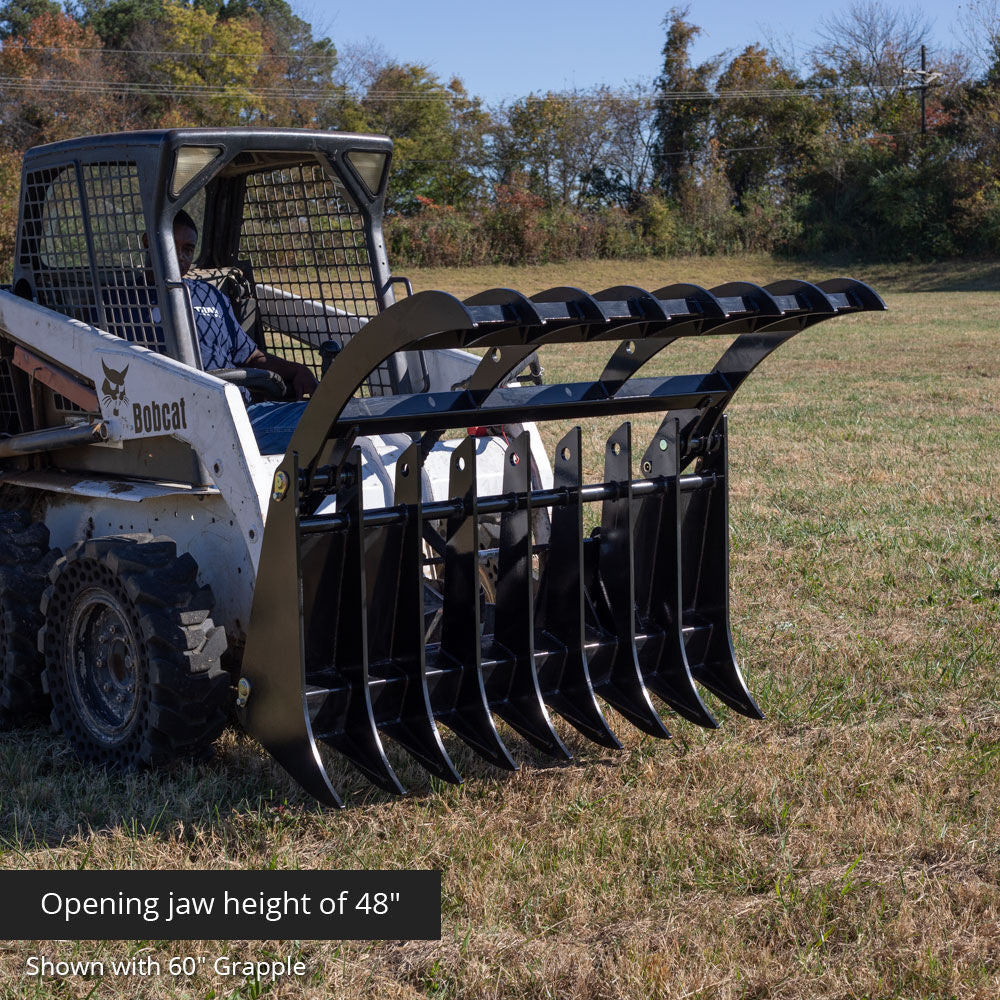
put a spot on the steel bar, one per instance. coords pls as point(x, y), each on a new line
point(519, 403)
point(52, 438)
point(505, 502)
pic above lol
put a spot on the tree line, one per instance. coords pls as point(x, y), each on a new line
point(833, 153)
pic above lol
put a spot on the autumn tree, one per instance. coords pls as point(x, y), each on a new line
point(57, 84)
point(684, 105)
point(206, 67)
point(296, 69)
point(862, 60)
point(624, 172)
point(979, 20)
point(16, 16)
point(122, 25)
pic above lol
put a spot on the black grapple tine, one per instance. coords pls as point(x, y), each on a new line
point(349, 725)
point(854, 294)
point(518, 701)
point(705, 575)
point(461, 645)
point(565, 677)
point(414, 727)
point(659, 542)
point(624, 688)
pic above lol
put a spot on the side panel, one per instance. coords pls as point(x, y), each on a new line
point(144, 395)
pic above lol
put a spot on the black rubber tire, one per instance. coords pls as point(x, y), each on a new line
point(132, 657)
point(25, 562)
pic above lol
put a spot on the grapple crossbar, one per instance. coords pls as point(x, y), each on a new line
point(374, 623)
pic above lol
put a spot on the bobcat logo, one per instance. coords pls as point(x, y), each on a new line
point(113, 389)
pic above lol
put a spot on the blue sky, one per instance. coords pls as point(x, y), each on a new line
point(511, 48)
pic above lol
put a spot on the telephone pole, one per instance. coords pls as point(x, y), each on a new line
point(926, 78)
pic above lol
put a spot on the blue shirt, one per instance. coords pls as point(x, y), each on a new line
point(223, 342)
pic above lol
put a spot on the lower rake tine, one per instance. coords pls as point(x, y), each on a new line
point(521, 704)
point(565, 679)
point(415, 729)
point(658, 581)
point(719, 672)
point(470, 715)
point(358, 739)
point(302, 761)
point(624, 688)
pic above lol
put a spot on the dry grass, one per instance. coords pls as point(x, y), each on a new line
point(847, 847)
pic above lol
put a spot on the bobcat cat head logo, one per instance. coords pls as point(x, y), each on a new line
point(113, 389)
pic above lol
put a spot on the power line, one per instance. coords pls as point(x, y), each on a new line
point(172, 52)
point(60, 85)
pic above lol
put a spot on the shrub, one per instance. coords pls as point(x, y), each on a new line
point(10, 183)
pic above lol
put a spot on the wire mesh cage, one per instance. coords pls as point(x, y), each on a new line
point(9, 419)
point(83, 239)
point(306, 243)
point(128, 295)
point(53, 243)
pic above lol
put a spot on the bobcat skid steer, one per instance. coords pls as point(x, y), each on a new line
point(379, 576)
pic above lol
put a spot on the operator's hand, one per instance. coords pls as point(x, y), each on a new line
point(303, 382)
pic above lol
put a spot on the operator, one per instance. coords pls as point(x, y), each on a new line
point(225, 344)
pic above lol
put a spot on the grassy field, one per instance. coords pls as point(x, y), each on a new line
point(848, 846)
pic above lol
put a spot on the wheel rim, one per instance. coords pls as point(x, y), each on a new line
point(102, 664)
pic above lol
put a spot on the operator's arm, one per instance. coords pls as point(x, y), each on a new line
point(224, 343)
point(299, 377)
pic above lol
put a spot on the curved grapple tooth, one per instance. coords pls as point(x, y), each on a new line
point(623, 687)
point(665, 667)
point(704, 514)
point(519, 700)
point(469, 712)
point(275, 707)
point(399, 629)
point(348, 724)
point(564, 678)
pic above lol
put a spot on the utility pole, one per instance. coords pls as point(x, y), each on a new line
point(926, 78)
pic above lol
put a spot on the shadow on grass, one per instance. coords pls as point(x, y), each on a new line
point(48, 798)
point(926, 276)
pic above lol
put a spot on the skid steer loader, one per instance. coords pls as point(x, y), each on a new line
point(379, 576)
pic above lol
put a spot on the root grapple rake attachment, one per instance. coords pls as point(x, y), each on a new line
point(370, 623)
